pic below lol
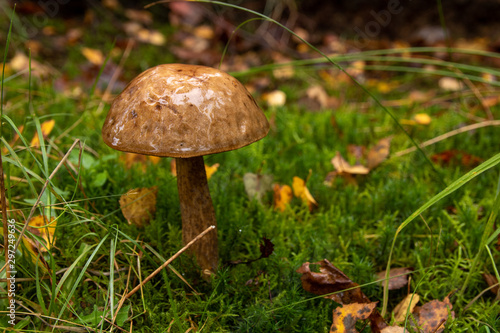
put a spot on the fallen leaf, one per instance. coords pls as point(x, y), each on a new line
point(302, 192)
point(282, 196)
point(20, 62)
point(450, 84)
point(139, 205)
point(491, 280)
point(40, 227)
point(275, 98)
point(398, 277)
point(457, 156)
point(257, 185)
point(342, 166)
point(394, 329)
point(329, 280)
point(131, 159)
point(210, 170)
point(142, 16)
point(378, 153)
point(432, 316)
point(401, 310)
point(346, 316)
point(422, 119)
point(46, 128)
point(266, 248)
point(94, 56)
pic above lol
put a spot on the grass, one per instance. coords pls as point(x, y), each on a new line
point(361, 228)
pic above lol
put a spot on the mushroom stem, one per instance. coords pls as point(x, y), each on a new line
point(197, 210)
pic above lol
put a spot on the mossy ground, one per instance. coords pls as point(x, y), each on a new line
point(353, 225)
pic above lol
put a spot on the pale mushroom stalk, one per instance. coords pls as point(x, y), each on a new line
point(197, 210)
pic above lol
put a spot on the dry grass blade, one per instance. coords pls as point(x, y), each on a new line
point(166, 263)
point(449, 135)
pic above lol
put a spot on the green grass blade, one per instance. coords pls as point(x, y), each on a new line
point(447, 191)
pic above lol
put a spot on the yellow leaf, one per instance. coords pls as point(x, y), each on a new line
point(282, 196)
point(139, 205)
point(422, 119)
point(302, 192)
point(46, 128)
point(39, 226)
point(94, 56)
point(400, 311)
point(210, 170)
point(345, 317)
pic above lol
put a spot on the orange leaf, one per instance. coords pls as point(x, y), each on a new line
point(432, 316)
point(302, 192)
point(46, 128)
point(282, 196)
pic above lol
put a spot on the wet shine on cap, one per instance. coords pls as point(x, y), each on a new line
point(181, 110)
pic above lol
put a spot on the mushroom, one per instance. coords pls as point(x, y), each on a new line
point(186, 112)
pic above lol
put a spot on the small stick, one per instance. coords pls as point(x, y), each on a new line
point(166, 263)
point(449, 134)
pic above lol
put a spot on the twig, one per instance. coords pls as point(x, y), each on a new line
point(166, 263)
point(449, 135)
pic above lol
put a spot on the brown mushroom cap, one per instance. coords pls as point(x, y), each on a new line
point(180, 110)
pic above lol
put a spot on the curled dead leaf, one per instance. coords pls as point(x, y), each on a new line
point(342, 166)
point(302, 192)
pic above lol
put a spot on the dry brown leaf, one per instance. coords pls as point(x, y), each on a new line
point(139, 205)
point(282, 196)
point(21, 62)
point(491, 280)
point(345, 317)
point(401, 309)
point(302, 192)
point(142, 16)
point(342, 166)
point(432, 316)
point(330, 279)
point(398, 277)
point(378, 153)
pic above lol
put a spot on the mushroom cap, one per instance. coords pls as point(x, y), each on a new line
point(184, 111)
